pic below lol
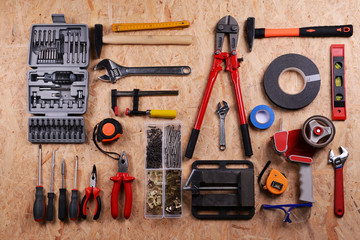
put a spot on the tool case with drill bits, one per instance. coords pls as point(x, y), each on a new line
point(163, 172)
point(58, 83)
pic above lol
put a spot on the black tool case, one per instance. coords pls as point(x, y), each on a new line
point(58, 83)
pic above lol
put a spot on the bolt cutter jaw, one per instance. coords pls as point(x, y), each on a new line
point(227, 25)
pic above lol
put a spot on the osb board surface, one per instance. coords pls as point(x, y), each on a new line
point(18, 157)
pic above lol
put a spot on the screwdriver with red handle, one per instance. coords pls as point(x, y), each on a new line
point(121, 176)
point(39, 205)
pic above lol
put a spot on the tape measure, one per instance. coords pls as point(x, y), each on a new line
point(123, 27)
point(276, 182)
point(108, 130)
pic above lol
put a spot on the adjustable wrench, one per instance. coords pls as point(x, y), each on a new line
point(116, 71)
point(338, 162)
point(222, 111)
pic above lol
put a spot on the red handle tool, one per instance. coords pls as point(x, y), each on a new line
point(339, 192)
point(121, 177)
point(96, 192)
point(88, 191)
point(338, 162)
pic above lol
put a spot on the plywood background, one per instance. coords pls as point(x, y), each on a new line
point(18, 157)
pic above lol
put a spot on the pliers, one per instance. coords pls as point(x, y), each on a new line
point(122, 175)
point(88, 191)
point(226, 26)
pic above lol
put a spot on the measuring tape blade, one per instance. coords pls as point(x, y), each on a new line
point(123, 27)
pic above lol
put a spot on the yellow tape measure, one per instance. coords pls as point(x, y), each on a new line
point(122, 27)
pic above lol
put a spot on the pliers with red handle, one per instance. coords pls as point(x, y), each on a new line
point(88, 191)
point(226, 26)
point(122, 176)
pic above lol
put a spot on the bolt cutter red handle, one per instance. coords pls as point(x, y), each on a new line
point(231, 66)
point(121, 177)
point(227, 25)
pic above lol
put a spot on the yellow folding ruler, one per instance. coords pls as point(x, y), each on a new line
point(122, 27)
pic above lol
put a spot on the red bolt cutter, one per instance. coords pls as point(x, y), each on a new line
point(122, 176)
point(226, 25)
point(88, 191)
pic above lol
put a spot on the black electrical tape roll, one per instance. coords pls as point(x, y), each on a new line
point(307, 70)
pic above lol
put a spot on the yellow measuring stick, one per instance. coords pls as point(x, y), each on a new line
point(122, 27)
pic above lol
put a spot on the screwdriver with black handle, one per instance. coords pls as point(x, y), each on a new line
point(66, 78)
point(62, 196)
point(39, 205)
point(51, 195)
point(74, 203)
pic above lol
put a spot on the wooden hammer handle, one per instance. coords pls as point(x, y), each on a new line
point(148, 39)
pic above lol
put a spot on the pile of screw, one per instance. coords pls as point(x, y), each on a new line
point(173, 146)
point(154, 147)
point(154, 193)
point(173, 192)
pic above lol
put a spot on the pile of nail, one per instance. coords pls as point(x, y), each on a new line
point(172, 146)
point(154, 147)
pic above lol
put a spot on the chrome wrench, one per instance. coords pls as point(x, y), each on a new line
point(222, 111)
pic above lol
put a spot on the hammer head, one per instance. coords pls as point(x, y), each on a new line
point(250, 31)
point(98, 39)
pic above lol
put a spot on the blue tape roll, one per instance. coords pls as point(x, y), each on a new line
point(262, 117)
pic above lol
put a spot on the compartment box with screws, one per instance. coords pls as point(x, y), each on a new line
point(58, 83)
point(163, 160)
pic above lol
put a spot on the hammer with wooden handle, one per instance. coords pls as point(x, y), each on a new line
point(144, 39)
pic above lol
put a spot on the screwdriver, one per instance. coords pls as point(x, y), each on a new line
point(50, 206)
point(74, 204)
point(59, 77)
point(39, 205)
point(62, 197)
